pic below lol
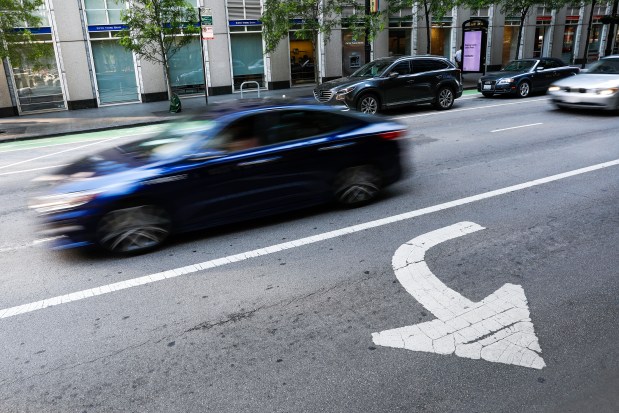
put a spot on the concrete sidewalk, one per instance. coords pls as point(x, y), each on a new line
point(135, 114)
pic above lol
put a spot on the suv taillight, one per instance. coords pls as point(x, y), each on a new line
point(392, 134)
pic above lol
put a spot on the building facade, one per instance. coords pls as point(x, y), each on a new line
point(89, 68)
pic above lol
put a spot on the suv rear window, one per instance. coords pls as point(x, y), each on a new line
point(427, 65)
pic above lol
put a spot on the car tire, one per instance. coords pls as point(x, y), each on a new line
point(133, 230)
point(444, 98)
point(368, 103)
point(524, 89)
point(487, 94)
point(357, 186)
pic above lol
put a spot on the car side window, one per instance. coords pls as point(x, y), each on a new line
point(428, 65)
point(301, 124)
point(239, 135)
point(402, 68)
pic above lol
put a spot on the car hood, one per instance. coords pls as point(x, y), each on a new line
point(500, 75)
point(110, 167)
point(340, 83)
point(590, 81)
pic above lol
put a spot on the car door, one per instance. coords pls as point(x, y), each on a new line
point(424, 79)
point(229, 181)
point(398, 89)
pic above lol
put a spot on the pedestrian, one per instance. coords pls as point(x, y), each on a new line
point(458, 58)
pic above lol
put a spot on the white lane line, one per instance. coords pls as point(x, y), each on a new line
point(148, 279)
point(34, 146)
point(516, 127)
point(467, 109)
point(33, 170)
point(58, 153)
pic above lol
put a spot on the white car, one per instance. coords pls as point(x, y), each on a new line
point(597, 88)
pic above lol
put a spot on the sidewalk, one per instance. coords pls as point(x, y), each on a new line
point(135, 114)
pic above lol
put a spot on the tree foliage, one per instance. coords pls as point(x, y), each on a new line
point(158, 29)
point(17, 43)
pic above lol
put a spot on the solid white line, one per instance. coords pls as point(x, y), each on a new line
point(33, 170)
point(516, 127)
point(467, 109)
point(34, 146)
point(148, 279)
point(58, 153)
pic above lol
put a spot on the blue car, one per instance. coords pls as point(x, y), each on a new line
point(237, 164)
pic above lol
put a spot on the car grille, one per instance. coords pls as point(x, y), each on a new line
point(323, 95)
point(575, 90)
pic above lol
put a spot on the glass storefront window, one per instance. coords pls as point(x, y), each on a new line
point(38, 84)
point(115, 72)
point(567, 50)
point(186, 71)
point(247, 59)
point(399, 42)
point(510, 38)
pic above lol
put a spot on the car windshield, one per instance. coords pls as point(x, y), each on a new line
point(177, 139)
point(605, 66)
point(372, 69)
point(519, 66)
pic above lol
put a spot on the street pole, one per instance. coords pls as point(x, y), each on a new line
point(202, 53)
point(586, 53)
point(367, 47)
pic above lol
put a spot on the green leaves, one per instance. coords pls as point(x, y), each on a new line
point(18, 45)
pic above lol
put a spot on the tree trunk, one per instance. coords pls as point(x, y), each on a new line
point(523, 16)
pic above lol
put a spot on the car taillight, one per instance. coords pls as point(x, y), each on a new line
point(392, 134)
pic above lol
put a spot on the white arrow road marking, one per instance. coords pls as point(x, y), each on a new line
point(497, 328)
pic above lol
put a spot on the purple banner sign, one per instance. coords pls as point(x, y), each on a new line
point(471, 54)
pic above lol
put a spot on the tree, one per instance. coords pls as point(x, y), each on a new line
point(157, 30)
point(16, 42)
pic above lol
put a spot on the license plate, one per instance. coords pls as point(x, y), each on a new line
point(487, 87)
point(570, 99)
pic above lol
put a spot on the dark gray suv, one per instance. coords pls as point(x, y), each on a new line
point(395, 81)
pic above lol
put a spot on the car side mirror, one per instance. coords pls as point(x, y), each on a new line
point(393, 75)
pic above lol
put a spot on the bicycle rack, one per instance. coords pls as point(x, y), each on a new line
point(252, 82)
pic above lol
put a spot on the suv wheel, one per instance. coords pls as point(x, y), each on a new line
point(368, 103)
point(444, 98)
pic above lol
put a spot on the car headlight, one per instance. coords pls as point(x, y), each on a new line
point(506, 81)
point(554, 89)
point(607, 92)
point(340, 93)
point(60, 202)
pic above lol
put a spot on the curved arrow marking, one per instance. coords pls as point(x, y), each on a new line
point(497, 328)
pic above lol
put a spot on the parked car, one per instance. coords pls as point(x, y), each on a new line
point(395, 81)
point(597, 88)
point(521, 77)
point(243, 161)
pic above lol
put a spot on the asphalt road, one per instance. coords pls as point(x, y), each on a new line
point(292, 330)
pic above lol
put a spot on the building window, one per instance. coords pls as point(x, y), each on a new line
point(186, 69)
point(114, 65)
point(440, 36)
point(247, 59)
point(38, 85)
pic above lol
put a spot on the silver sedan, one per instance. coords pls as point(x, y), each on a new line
point(597, 88)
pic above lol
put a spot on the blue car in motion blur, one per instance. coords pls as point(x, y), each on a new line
point(247, 162)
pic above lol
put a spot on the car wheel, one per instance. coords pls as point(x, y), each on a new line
point(357, 186)
point(524, 89)
point(368, 103)
point(487, 94)
point(134, 229)
point(444, 98)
